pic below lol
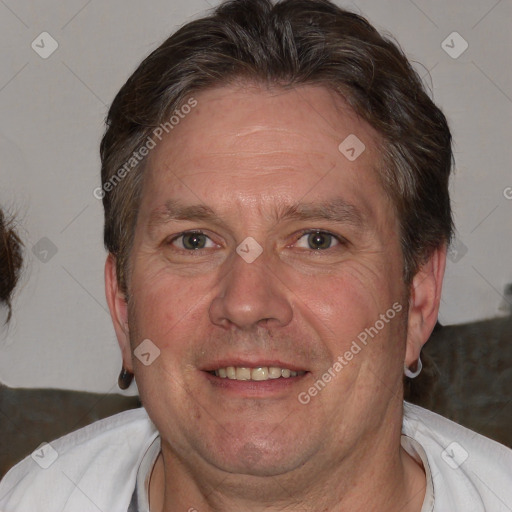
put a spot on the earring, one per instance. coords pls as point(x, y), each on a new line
point(125, 379)
point(413, 375)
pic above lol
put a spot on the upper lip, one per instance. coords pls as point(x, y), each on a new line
point(251, 363)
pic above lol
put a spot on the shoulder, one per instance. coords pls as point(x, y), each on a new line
point(468, 469)
point(90, 469)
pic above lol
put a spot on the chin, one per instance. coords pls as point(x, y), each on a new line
point(263, 457)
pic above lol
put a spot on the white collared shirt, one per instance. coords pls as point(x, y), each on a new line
point(105, 467)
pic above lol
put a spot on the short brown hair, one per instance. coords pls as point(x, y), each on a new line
point(289, 43)
point(11, 259)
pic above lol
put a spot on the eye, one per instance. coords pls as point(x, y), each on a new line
point(318, 240)
point(192, 241)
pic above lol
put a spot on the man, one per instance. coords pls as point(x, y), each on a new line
point(275, 184)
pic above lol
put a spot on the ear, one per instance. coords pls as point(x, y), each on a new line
point(118, 311)
point(425, 297)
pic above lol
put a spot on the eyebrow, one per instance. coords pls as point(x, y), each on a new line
point(174, 210)
point(335, 210)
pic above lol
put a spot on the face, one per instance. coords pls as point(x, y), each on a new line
point(260, 246)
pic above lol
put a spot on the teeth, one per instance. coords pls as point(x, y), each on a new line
point(259, 373)
point(274, 372)
point(243, 373)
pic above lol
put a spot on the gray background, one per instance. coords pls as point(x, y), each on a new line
point(51, 122)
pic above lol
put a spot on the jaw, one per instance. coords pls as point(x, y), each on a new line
point(248, 464)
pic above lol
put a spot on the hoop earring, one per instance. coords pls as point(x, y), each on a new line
point(125, 379)
point(411, 374)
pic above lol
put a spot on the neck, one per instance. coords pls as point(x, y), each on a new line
point(380, 476)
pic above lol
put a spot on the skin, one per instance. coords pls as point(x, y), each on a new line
point(247, 153)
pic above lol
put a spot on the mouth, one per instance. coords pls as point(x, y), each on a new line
point(257, 373)
point(255, 377)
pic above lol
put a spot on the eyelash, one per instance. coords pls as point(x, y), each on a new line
point(339, 239)
point(185, 233)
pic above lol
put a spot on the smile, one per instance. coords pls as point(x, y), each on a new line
point(256, 374)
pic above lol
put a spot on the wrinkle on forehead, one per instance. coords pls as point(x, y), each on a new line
point(251, 121)
point(255, 148)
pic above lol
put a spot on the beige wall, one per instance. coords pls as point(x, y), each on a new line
point(51, 114)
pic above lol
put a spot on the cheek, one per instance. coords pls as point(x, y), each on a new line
point(355, 295)
point(359, 306)
point(158, 305)
point(167, 313)
point(168, 309)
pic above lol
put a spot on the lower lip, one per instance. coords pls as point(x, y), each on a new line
point(254, 388)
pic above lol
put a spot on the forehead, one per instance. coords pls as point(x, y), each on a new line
point(253, 146)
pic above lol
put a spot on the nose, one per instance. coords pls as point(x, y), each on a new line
point(251, 295)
